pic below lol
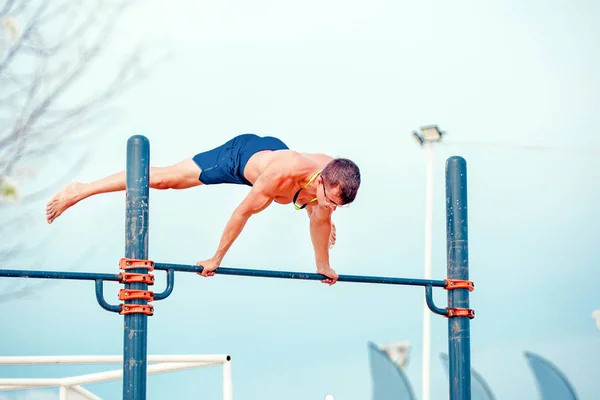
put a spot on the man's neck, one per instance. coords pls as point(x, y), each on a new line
point(311, 181)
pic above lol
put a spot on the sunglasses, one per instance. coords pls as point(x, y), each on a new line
point(329, 201)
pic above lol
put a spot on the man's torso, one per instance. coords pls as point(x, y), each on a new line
point(292, 168)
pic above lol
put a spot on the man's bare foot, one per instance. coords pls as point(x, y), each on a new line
point(62, 200)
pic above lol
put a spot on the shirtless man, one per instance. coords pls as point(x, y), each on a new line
point(317, 183)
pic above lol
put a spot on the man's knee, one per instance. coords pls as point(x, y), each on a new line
point(178, 176)
point(160, 178)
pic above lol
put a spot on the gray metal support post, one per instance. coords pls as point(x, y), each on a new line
point(457, 242)
point(136, 247)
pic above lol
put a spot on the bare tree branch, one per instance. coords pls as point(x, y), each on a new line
point(54, 91)
point(13, 51)
point(7, 7)
point(28, 127)
point(44, 192)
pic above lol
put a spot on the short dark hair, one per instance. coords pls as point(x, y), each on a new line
point(345, 174)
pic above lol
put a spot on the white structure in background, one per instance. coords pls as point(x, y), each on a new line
point(397, 352)
point(596, 316)
point(428, 136)
point(72, 385)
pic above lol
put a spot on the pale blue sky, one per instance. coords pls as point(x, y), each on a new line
point(350, 79)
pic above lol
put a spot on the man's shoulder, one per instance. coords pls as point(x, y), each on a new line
point(289, 164)
point(293, 163)
point(293, 159)
point(319, 158)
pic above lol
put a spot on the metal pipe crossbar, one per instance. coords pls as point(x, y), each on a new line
point(261, 273)
point(112, 359)
point(157, 363)
point(18, 273)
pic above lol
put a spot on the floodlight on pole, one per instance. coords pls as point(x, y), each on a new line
point(429, 134)
point(596, 316)
point(420, 140)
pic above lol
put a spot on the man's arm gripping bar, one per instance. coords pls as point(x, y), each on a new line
point(459, 284)
point(132, 263)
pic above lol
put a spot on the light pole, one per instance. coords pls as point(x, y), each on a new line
point(428, 136)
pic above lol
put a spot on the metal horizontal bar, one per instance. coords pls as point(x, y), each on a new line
point(90, 276)
point(118, 373)
point(303, 275)
point(111, 359)
point(21, 387)
point(30, 382)
point(98, 377)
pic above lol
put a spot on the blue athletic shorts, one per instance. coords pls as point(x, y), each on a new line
point(226, 163)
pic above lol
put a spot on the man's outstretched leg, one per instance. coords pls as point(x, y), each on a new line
point(182, 175)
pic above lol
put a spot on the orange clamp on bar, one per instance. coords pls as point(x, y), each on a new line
point(459, 284)
point(131, 263)
point(130, 294)
point(460, 312)
point(130, 277)
point(136, 309)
